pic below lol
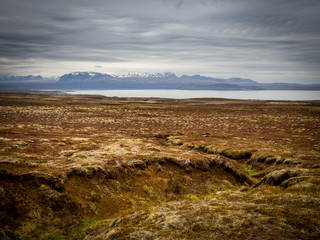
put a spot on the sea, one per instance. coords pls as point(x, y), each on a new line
point(185, 94)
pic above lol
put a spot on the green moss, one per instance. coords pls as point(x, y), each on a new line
point(250, 171)
point(193, 197)
point(214, 187)
point(88, 222)
point(227, 184)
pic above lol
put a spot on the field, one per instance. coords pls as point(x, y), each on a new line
point(92, 167)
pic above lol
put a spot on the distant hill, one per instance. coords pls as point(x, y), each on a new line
point(10, 79)
point(95, 80)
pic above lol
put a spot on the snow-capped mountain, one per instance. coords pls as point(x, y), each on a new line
point(84, 76)
point(95, 80)
point(146, 75)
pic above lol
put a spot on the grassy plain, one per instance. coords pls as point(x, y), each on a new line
point(92, 167)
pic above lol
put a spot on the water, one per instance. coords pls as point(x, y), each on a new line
point(183, 94)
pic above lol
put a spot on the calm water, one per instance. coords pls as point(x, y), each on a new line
point(182, 94)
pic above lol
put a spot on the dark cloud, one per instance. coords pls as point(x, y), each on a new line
point(246, 38)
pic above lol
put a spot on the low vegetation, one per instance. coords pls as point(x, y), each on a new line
point(92, 167)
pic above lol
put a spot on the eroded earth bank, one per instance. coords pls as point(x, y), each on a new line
point(92, 167)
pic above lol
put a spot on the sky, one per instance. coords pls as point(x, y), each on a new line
point(264, 40)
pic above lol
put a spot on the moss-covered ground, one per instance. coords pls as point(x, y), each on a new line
point(92, 167)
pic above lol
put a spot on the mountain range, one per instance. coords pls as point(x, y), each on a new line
point(95, 80)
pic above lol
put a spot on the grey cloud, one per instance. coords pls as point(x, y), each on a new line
point(201, 32)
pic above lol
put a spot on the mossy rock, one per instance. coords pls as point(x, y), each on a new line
point(236, 154)
point(278, 177)
point(293, 181)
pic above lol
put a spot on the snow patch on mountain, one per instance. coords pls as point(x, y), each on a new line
point(146, 75)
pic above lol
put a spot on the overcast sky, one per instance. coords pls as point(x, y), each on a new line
point(265, 40)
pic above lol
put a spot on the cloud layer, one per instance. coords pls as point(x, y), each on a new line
point(269, 41)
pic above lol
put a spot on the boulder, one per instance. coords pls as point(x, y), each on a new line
point(264, 158)
point(293, 181)
point(277, 177)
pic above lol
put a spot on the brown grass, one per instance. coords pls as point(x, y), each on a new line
point(67, 158)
